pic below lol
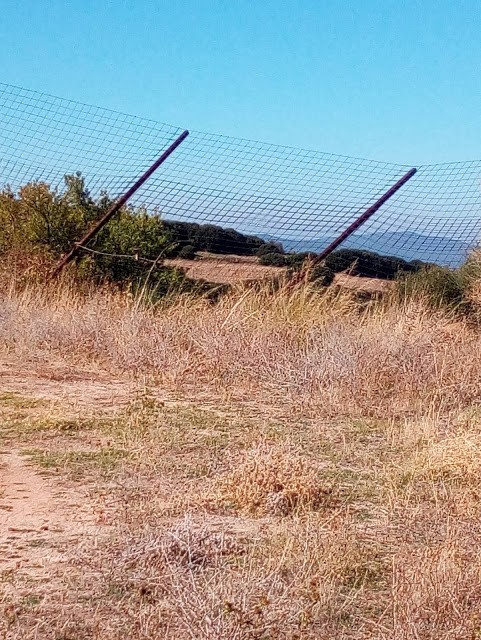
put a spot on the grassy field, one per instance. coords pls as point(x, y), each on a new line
point(270, 467)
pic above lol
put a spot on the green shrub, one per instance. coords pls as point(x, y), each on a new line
point(470, 271)
point(369, 264)
point(273, 260)
point(321, 275)
point(187, 252)
point(131, 233)
point(293, 260)
point(296, 260)
point(439, 286)
point(268, 248)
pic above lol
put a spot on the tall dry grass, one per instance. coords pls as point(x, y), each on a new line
point(325, 352)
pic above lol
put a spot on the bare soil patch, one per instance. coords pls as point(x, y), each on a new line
point(230, 269)
point(369, 285)
point(39, 519)
point(66, 384)
point(225, 271)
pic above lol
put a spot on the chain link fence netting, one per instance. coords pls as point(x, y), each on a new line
point(302, 199)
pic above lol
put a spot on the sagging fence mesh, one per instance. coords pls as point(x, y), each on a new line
point(302, 199)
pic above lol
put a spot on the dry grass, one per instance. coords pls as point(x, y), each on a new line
point(325, 353)
point(295, 465)
point(274, 480)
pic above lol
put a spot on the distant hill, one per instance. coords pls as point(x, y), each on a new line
point(402, 244)
point(409, 245)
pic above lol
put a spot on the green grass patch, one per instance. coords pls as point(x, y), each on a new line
point(17, 401)
point(77, 464)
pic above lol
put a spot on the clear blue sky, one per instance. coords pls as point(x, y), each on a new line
point(384, 79)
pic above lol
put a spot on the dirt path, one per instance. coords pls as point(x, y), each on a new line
point(93, 390)
point(38, 519)
point(43, 518)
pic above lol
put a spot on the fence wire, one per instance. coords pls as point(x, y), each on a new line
point(302, 199)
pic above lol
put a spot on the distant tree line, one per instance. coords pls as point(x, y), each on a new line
point(355, 261)
point(189, 237)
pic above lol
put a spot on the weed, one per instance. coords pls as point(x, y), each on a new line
point(77, 463)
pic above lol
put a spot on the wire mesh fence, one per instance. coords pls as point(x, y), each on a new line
point(298, 198)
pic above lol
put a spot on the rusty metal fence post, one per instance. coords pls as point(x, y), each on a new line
point(364, 217)
point(117, 205)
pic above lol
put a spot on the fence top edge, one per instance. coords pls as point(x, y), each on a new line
point(233, 139)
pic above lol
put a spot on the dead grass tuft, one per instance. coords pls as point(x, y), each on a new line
point(457, 458)
point(187, 544)
point(275, 481)
point(435, 589)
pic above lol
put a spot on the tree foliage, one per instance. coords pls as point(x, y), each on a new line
point(209, 237)
point(187, 252)
point(39, 219)
point(369, 264)
point(269, 248)
point(273, 259)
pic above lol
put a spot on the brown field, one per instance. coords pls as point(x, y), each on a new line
point(224, 269)
point(231, 268)
point(288, 466)
point(369, 285)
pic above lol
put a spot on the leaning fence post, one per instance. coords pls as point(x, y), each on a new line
point(117, 205)
point(364, 217)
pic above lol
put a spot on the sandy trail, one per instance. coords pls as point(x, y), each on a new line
point(42, 518)
point(39, 520)
point(93, 390)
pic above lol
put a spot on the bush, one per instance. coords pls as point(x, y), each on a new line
point(292, 260)
point(321, 275)
point(41, 222)
point(187, 252)
point(273, 260)
point(369, 264)
point(269, 247)
point(296, 260)
point(470, 271)
point(130, 233)
point(438, 286)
